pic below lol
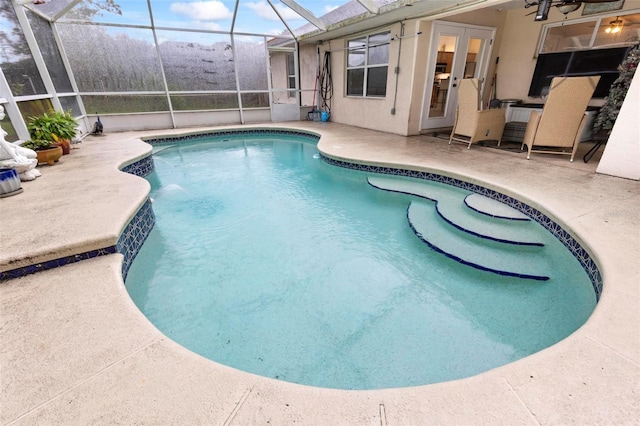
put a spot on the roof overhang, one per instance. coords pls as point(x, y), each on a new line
point(396, 12)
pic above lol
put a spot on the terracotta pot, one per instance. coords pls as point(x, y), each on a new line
point(65, 145)
point(50, 155)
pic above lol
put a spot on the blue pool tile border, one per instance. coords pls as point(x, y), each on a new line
point(55, 263)
point(138, 229)
point(574, 247)
point(141, 168)
point(128, 244)
point(134, 235)
point(230, 132)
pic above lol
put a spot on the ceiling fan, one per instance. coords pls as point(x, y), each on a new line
point(564, 6)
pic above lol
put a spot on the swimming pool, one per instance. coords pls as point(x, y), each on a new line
point(350, 298)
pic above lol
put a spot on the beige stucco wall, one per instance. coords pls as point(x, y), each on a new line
point(421, 55)
point(375, 113)
point(308, 58)
point(517, 51)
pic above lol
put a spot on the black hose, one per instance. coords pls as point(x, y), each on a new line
point(326, 83)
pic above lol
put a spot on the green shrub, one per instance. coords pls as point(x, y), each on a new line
point(38, 144)
point(52, 126)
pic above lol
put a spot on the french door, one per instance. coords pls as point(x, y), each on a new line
point(457, 51)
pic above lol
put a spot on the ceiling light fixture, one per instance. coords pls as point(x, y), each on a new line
point(614, 27)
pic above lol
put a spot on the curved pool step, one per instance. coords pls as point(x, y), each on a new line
point(429, 190)
point(493, 208)
point(499, 259)
point(460, 216)
point(451, 207)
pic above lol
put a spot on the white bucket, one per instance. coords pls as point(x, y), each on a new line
point(9, 183)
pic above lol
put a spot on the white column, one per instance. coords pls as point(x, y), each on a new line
point(621, 156)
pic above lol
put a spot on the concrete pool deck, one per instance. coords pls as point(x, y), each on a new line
point(74, 349)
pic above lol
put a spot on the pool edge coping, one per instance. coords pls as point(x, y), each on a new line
point(136, 230)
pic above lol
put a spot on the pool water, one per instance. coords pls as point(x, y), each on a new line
point(267, 259)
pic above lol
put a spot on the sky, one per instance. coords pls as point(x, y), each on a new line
point(254, 16)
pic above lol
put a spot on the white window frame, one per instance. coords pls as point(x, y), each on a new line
point(366, 66)
point(291, 75)
point(598, 21)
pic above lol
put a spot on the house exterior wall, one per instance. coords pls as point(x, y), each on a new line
point(308, 57)
point(515, 45)
point(375, 113)
point(517, 51)
point(421, 55)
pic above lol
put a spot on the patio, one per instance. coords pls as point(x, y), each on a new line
point(76, 350)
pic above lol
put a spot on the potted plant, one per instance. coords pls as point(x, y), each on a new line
point(47, 151)
point(55, 126)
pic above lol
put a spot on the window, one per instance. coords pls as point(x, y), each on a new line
point(367, 65)
point(600, 32)
point(291, 75)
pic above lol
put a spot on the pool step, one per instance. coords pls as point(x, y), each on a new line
point(473, 230)
point(507, 231)
point(493, 208)
point(430, 191)
point(472, 213)
point(464, 248)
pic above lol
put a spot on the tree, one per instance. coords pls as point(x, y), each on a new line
point(86, 10)
point(11, 38)
point(618, 91)
point(12, 41)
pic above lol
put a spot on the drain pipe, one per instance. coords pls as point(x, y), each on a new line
point(397, 68)
point(316, 99)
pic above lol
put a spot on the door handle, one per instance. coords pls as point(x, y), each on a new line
point(454, 85)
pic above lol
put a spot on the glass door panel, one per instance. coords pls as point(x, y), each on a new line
point(442, 74)
point(473, 54)
point(457, 52)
